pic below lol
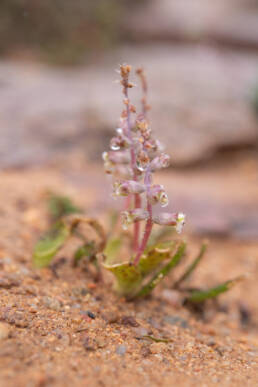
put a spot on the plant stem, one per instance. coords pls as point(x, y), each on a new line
point(149, 223)
point(147, 232)
point(137, 204)
point(137, 199)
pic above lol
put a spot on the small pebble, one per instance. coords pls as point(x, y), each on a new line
point(52, 303)
point(91, 315)
point(130, 320)
point(111, 317)
point(176, 320)
point(121, 349)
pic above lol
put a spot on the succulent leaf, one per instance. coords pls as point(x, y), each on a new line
point(50, 244)
point(163, 272)
point(154, 255)
point(112, 249)
point(128, 278)
point(202, 295)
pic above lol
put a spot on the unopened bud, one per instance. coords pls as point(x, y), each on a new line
point(129, 217)
point(132, 109)
point(151, 144)
point(142, 160)
point(119, 142)
point(108, 165)
point(125, 70)
point(141, 124)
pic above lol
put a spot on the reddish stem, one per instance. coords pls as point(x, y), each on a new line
point(137, 204)
point(137, 199)
point(149, 224)
point(147, 232)
point(127, 203)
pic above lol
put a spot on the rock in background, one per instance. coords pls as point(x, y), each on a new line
point(200, 98)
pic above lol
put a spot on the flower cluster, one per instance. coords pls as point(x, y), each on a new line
point(135, 155)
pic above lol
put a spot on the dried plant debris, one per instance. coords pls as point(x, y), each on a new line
point(46, 249)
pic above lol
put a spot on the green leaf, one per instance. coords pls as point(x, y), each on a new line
point(160, 234)
point(163, 272)
point(192, 266)
point(49, 245)
point(155, 339)
point(113, 220)
point(128, 278)
point(154, 255)
point(112, 249)
point(202, 295)
point(60, 206)
point(87, 250)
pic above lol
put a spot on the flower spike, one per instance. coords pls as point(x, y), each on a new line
point(135, 155)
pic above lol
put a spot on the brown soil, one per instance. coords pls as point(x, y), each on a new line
point(49, 338)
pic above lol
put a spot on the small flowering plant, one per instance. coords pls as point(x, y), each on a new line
point(134, 156)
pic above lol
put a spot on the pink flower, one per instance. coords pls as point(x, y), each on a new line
point(129, 217)
point(119, 142)
point(159, 162)
point(128, 187)
point(168, 219)
point(157, 194)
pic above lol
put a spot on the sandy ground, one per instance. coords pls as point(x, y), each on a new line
point(49, 338)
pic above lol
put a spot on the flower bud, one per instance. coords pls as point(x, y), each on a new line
point(157, 194)
point(108, 165)
point(159, 162)
point(125, 70)
point(167, 219)
point(132, 109)
point(119, 142)
point(129, 217)
point(142, 160)
point(128, 187)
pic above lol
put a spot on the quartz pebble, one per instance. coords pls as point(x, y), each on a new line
point(121, 349)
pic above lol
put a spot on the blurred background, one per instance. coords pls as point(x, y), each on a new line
point(58, 98)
